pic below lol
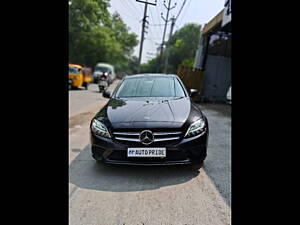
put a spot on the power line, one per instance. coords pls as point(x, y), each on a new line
point(180, 9)
point(158, 17)
point(153, 25)
point(171, 31)
point(157, 24)
point(128, 16)
point(138, 11)
point(186, 9)
point(163, 39)
point(143, 29)
point(129, 8)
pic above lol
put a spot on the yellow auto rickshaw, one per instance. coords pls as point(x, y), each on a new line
point(79, 76)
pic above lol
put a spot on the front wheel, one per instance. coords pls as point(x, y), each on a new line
point(86, 85)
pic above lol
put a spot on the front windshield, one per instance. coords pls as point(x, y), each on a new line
point(74, 69)
point(101, 69)
point(150, 87)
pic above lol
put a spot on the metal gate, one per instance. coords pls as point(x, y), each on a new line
point(217, 78)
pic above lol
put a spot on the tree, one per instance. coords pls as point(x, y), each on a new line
point(183, 46)
point(97, 36)
point(182, 49)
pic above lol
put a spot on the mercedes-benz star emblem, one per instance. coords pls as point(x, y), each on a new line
point(146, 137)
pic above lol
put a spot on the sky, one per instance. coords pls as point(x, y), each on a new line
point(194, 11)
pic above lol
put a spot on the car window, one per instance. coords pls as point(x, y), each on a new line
point(178, 89)
point(163, 87)
point(74, 70)
point(101, 69)
point(150, 87)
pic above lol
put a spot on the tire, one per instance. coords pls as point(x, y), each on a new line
point(197, 165)
point(86, 85)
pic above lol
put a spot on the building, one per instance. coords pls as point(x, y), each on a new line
point(213, 56)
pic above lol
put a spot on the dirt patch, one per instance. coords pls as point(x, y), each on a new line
point(84, 117)
point(80, 119)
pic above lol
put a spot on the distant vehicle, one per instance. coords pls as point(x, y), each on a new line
point(78, 76)
point(106, 70)
point(228, 96)
point(103, 82)
point(88, 75)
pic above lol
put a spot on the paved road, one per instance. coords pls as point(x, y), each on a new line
point(82, 100)
point(133, 195)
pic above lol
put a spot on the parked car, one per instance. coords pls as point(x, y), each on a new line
point(78, 78)
point(104, 69)
point(150, 119)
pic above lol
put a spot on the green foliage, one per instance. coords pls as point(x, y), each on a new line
point(181, 49)
point(149, 67)
point(97, 36)
point(188, 62)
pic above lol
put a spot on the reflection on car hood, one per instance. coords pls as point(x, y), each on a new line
point(158, 110)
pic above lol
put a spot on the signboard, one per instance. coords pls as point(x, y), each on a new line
point(227, 13)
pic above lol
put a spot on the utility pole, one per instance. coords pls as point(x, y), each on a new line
point(143, 29)
point(163, 39)
point(171, 32)
point(167, 53)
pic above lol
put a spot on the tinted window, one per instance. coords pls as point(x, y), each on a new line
point(150, 87)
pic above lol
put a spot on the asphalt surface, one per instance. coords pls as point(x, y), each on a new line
point(81, 100)
point(136, 195)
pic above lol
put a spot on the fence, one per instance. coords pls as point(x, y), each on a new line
point(192, 78)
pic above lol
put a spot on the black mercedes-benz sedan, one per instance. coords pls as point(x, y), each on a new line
point(150, 119)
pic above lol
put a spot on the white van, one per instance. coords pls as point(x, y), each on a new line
point(101, 68)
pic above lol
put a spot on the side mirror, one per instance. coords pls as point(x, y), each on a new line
point(106, 94)
point(193, 92)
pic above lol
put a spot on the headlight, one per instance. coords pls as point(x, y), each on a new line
point(195, 129)
point(100, 129)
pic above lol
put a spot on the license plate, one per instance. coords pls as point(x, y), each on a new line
point(146, 152)
point(103, 83)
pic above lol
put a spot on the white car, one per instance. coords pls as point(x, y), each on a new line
point(228, 96)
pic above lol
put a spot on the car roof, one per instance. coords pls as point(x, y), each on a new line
point(105, 65)
point(75, 65)
point(151, 75)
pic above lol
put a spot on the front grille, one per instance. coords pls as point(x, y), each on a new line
point(160, 137)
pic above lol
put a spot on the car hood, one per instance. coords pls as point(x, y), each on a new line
point(144, 110)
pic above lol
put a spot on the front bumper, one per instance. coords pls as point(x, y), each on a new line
point(186, 151)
